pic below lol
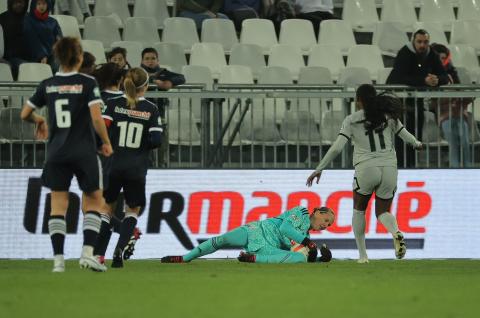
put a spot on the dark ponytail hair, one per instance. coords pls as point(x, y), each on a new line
point(108, 74)
point(68, 51)
point(379, 108)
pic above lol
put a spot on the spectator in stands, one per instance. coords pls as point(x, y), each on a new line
point(64, 7)
point(453, 116)
point(118, 55)
point(315, 11)
point(41, 32)
point(418, 66)
point(88, 64)
point(239, 10)
point(164, 80)
point(12, 24)
point(199, 10)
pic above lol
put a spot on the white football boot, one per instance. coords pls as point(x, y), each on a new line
point(91, 262)
point(58, 264)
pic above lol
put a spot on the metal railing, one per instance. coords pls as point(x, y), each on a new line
point(268, 126)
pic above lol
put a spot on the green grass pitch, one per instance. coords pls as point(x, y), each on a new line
point(211, 288)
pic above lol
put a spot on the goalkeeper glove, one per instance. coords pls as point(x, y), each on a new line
point(326, 254)
point(312, 250)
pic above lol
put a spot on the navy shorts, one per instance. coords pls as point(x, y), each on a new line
point(133, 190)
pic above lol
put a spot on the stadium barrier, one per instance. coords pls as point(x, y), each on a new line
point(436, 209)
point(255, 126)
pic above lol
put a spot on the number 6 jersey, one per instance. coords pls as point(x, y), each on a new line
point(133, 132)
point(68, 97)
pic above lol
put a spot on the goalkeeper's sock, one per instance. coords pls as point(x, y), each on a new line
point(358, 224)
point(103, 237)
point(57, 228)
point(126, 230)
point(389, 221)
point(209, 246)
point(286, 257)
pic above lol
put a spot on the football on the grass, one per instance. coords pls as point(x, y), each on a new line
point(299, 248)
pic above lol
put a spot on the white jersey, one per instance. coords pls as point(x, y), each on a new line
point(372, 147)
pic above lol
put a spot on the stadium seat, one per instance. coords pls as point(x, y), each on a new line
point(464, 75)
point(383, 74)
point(172, 54)
point(194, 74)
point(431, 134)
point(298, 33)
point(399, 11)
point(235, 74)
point(275, 75)
point(34, 72)
point(96, 48)
point(437, 11)
point(68, 25)
point(180, 30)
point(331, 123)
point(219, 31)
point(103, 29)
point(337, 33)
point(5, 73)
point(260, 32)
point(74, 11)
point(465, 56)
point(210, 55)
point(12, 127)
point(468, 10)
point(287, 56)
point(250, 55)
point(315, 75)
point(182, 127)
point(466, 33)
point(435, 29)
point(156, 9)
point(105, 8)
point(299, 127)
point(328, 56)
point(134, 51)
point(390, 37)
point(354, 76)
point(367, 56)
point(362, 14)
point(143, 30)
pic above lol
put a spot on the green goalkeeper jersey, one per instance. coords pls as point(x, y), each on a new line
point(278, 232)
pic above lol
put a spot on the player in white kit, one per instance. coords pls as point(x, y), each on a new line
point(372, 131)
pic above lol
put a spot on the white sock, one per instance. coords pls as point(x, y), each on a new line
point(389, 221)
point(58, 259)
point(87, 250)
point(358, 223)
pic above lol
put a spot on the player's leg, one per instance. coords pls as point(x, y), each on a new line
point(364, 183)
point(235, 238)
point(57, 177)
point(384, 197)
point(89, 176)
point(135, 199)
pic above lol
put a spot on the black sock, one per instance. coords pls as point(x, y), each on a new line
point(57, 228)
point(126, 231)
point(91, 227)
point(115, 223)
point(103, 237)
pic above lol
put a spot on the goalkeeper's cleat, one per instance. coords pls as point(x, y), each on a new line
point(117, 260)
point(246, 257)
point(92, 263)
point(172, 259)
point(400, 246)
point(130, 248)
point(362, 260)
point(58, 264)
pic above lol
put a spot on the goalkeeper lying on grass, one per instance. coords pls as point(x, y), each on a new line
point(270, 240)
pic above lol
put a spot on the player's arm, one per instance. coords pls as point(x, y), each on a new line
point(100, 128)
point(28, 112)
point(407, 137)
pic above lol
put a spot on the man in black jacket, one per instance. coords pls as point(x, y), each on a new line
point(12, 24)
point(418, 66)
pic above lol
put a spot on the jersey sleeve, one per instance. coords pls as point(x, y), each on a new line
point(107, 112)
point(405, 135)
point(346, 129)
point(39, 98)
point(295, 224)
point(155, 121)
point(93, 94)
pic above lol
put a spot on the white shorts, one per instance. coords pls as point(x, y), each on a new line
point(381, 180)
